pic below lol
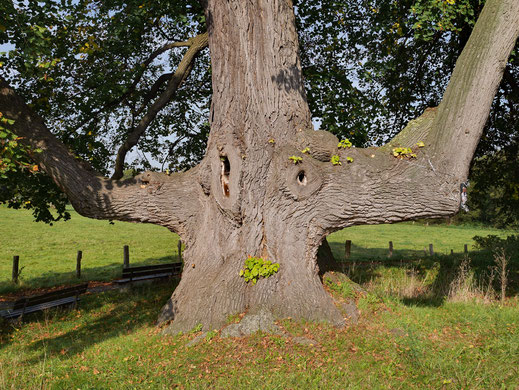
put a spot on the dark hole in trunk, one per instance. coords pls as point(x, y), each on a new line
point(301, 178)
point(226, 171)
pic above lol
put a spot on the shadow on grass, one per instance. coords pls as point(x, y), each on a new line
point(101, 317)
point(359, 253)
point(49, 279)
point(364, 267)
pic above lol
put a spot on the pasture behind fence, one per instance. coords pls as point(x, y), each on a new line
point(16, 270)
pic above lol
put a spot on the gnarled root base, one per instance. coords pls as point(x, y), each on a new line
point(209, 296)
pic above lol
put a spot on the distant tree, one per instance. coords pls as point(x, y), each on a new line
point(494, 189)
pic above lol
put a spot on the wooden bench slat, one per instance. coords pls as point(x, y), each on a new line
point(155, 266)
point(51, 296)
point(44, 301)
point(137, 278)
point(39, 307)
point(131, 273)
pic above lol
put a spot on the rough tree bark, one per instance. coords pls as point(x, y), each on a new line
point(248, 198)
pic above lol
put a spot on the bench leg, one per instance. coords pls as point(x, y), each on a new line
point(23, 311)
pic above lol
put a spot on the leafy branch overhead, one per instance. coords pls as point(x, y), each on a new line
point(13, 153)
point(112, 77)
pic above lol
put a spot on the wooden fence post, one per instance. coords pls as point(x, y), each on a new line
point(78, 264)
point(390, 249)
point(126, 261)
point(466, 249)
point(179, 248)
point(452, 252)
point(347, 249)
point(16, 263)
point(431, 251)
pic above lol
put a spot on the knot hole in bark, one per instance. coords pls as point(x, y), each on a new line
point(301, 178)
point(226, 172)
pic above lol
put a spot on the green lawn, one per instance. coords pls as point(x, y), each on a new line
point(48, 253)
point(415, 330)
point(112, 343)
point(409, 239)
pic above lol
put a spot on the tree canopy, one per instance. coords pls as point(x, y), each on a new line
point(98, 72)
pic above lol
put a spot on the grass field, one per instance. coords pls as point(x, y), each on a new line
point(409, 239)
point(48, 253)
point(112, 343)
point(432, 323)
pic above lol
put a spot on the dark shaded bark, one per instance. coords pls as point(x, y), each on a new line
point(248, 198)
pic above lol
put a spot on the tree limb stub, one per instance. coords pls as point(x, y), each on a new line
point(197, 44)
point(93, 196)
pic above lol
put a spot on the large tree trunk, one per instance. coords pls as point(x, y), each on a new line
point(254, 204)
point(247, 198)
point(282, 211)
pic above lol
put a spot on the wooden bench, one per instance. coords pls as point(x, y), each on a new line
point(132, 274)
point(25, 305)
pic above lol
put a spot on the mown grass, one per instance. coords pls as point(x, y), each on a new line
point(112, 343)
point(409, 240)
point(48, 253)
point(415, 330)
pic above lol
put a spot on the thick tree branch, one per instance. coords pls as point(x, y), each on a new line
point(378, 187)
point(464, 110)
point(95, 196)
point(198, 43)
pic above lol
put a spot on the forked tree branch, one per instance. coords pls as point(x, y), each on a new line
point(137, 79)
point(197, 44)
point(151, 58)
point(378, 187)
point(467, 101)
point(153, 92)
